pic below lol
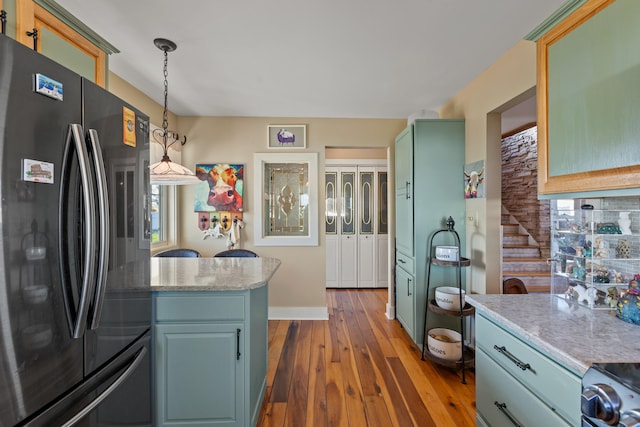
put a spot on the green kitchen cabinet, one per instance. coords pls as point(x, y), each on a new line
point(517, 384)
point(588, 99)
point(210, 357)
point(405, 283)
point(429, 166)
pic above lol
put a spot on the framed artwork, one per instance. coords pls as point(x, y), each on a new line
point(286, 199)
point(287, 136)
point(221, 188)
point(474, 180)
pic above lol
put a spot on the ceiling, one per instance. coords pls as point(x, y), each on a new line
point(331, 58)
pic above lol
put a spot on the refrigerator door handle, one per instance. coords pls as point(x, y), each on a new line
point(76, 135)
point(103, 228)
point(102, 396)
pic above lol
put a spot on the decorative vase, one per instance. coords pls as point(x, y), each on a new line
point(625, 222)
point(623, 250)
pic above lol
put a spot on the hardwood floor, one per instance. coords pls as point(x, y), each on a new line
point(358, 369)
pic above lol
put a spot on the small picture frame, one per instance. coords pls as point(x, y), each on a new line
point(287, 136)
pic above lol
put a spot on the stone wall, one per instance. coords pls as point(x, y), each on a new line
point(520, 186)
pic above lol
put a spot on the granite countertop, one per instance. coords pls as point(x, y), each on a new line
point(573, 335)
point(211, 274)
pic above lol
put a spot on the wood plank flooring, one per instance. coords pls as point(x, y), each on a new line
point(358, 369)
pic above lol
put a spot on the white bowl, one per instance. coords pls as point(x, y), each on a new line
point(35, 294)
point(448, 297)
point(35, 253)
point(37, 336)
point(445, 343)
point(447, 253)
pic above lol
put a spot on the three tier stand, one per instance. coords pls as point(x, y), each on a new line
point(467, 359)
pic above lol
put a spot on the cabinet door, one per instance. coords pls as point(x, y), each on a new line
point(503, 401)
point(404, 191)
point(405, 285)
point(332, 239)
point(348, 229)
point(199, 374)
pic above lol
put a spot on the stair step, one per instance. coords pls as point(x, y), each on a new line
point(520, 274)
point(525, 264)
point(519, 251)
point(511, 239)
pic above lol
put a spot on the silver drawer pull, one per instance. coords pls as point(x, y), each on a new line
point(519, 363)
point(502, 407)
point(401, 261)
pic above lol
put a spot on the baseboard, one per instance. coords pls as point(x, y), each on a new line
point(391, 312)
point(298, 313)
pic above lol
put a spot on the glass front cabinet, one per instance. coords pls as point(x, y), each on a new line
point(595, 252)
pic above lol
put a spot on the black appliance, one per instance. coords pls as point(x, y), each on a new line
point(75, 305)
point(611, 395)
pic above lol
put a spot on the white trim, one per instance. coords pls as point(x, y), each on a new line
point(391, 312)
point(355, 162)
point(298, 313)
point(259, 162)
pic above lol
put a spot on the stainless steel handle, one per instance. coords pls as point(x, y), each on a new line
point(98, 400)
point(75, 133)
point(238, 344)
point(502, 407)
point(103, 228)
point(407, 186)
point(520, 364)
point(408, 287)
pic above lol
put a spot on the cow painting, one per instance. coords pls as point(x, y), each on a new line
point(473, 180)
point(223, 191)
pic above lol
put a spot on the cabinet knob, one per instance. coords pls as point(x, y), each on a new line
point(630, 418)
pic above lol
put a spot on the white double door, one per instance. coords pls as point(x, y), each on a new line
point(356, 226)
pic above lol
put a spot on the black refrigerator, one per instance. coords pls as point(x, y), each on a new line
point(75, 305)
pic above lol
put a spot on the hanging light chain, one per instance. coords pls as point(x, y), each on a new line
point(165, 116)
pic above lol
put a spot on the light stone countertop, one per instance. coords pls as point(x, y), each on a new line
point(573, 335)
point(211, 274)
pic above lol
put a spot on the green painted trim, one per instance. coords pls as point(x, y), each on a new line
point(73, 22)
point(565, 10)
point(624, 192)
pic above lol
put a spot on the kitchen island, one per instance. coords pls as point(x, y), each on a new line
point(532, 351)
point(210, 339)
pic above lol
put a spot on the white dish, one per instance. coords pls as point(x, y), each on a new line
point(445, 343)
point(35, 294)
point(35, 253)
point(447, 253)
point(448, 297)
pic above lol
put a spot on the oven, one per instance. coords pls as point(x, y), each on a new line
point(611, 395)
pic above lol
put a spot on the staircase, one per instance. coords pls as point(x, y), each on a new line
point(521, 256)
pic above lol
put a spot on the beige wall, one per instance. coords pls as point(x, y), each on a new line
point(505, 83)
point(300, 281)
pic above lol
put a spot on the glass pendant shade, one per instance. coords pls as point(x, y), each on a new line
point(166, 172)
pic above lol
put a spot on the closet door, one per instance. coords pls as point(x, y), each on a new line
point(382, 228)
point(331, 220)
point(348, 229)
point(366, 228)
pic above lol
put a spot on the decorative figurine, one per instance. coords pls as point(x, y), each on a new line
point(623, 250)
point(629, 304)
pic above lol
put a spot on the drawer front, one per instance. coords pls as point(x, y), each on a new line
point(494, 386)
point(405, 262)
point(556, 386)
point(198, 307)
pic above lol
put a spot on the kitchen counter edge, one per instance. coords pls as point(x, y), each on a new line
point(211, 274)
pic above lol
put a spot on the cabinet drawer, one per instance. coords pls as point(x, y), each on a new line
point(404, 261)
point(196, 307)
point(496, 387)
point(557, 387)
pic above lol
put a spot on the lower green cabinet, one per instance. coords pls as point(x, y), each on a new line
point(517, 384)
point(405, 300)
point(210, 357)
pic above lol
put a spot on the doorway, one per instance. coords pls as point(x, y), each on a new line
point(356, 218)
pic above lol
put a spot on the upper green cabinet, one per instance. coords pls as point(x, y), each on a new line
point(589, 100)
point(60, 36)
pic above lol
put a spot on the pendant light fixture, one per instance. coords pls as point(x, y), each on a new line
point(166, 172)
